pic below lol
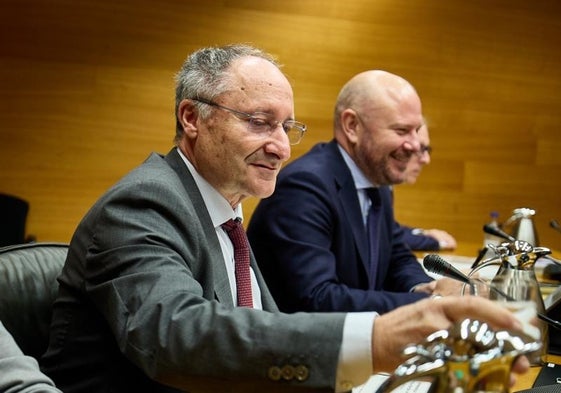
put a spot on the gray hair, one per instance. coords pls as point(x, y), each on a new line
point(205, 74)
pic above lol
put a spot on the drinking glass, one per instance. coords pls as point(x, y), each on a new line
point(521, 295)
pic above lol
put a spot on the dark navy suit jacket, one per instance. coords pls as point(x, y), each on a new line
point(311, 246)
point(419, 242)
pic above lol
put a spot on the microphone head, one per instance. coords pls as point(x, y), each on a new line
point(555, 225)
point(436, 264)
point(491, 230)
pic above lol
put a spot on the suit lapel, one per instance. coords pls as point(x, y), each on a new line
point(348, 201)
point(220, 276)
point(386, 231)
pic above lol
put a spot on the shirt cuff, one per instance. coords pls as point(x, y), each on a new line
point(355, 359)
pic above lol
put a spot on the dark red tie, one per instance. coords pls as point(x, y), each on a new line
point(237, 235)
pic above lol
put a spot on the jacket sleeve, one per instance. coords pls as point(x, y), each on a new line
point(417, 241)
point(156, 276)
point(20, 373)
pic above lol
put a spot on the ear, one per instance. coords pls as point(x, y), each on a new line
point(187, 116)
point(350, 125)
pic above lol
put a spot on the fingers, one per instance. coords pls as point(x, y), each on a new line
point(448, 287)
point(413, 323)
point(428, 287)
point(405, 325)
point(474, 307)
point(521, 365)
point(445, 240)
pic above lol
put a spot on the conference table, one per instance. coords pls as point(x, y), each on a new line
point(461, 258)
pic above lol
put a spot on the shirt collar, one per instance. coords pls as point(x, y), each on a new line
point(218, 207)
point(360, 180)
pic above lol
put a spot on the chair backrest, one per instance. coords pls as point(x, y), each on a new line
point(28, 287)
point(13, 216)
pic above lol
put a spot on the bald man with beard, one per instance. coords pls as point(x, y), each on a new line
point(312, 237)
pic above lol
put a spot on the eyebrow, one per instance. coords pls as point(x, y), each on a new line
point(270, 113)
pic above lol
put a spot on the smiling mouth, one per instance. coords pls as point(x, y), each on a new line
point(402, 157)
point(401, 162)
point(268, 167)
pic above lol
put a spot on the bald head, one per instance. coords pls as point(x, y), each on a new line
point(377, 116)
point(372, 90)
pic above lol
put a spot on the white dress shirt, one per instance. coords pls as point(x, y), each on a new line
point(220, 211)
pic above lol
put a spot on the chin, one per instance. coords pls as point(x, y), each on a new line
point(263, 191)
point(397, 180)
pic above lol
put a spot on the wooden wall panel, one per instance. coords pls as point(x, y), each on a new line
point(86, 93)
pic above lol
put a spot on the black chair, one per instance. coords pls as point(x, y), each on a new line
point(28, 287)
point(13, 215)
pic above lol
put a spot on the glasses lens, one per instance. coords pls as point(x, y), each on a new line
point(294, 136)
point(259, 124)
point(263, 126)
point(295, 130)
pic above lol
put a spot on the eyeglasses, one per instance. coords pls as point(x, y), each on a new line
point(424, 149)
point(262, 124)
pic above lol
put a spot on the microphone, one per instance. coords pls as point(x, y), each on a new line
point(555, 225)
point(491, 230)
point(436, 264)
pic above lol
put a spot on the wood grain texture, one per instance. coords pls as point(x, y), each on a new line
point(86, 93)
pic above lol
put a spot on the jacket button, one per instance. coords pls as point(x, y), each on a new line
point(346, 386)
point(274, 373)
point(302, 373)
point(287, 372)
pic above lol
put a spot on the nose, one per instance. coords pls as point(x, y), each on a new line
point(424, 157)
point(412, 142)
point(279, 143)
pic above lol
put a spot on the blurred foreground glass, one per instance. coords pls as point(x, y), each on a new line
point(519, 295)
point(467, 358)
point(512, 273)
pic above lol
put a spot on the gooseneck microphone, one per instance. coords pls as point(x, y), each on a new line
point(436, 264)
point(491, 230)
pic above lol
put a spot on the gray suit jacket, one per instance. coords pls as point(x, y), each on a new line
point(144, 302)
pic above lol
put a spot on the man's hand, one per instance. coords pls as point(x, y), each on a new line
point(448, 287)
point(442, 287)
point(412, 324)
point(445, 240)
